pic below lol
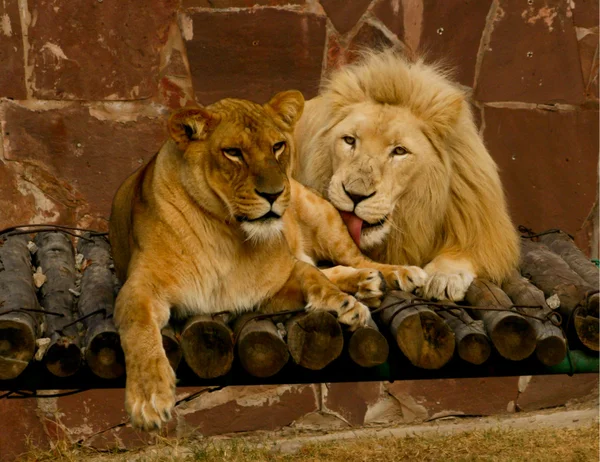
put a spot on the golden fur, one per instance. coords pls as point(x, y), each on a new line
point(212, 223)
point(417, 160)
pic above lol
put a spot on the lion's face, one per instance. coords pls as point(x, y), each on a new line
point(239, 153)
point(378, 152)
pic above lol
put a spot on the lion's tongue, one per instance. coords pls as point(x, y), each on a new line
point(354, 225)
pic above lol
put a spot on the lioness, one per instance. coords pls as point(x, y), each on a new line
point(392, 144)
point(213, 223)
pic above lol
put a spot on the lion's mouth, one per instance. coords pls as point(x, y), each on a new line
point(270, 215)
point(356, 225)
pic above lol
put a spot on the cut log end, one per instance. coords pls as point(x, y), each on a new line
point(474, 348)
point(513, 337)
point(105, 357)
point(587, 330)
point(207, 346)
point(17, 346)
point(262, 354)
point(314, 339)
point(551, 351)
point(425, 339)
point(368, 347)
point(63, 358)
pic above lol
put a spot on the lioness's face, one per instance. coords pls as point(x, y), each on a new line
point(240, 151)
point(377, 152)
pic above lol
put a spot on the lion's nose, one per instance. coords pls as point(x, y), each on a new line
point(357, 198)
point(269, 196)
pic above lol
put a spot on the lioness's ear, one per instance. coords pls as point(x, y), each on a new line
point(190, 124)
point(286, 107)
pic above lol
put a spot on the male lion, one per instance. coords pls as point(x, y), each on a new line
point(392, 145)
point(212, 223)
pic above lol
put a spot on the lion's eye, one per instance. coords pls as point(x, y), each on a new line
point(235, 153)
point(278, 147)
point(349, 140)
point(399, 151)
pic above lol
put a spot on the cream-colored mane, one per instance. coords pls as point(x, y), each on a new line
point(454, 210)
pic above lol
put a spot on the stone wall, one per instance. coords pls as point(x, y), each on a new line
point(85, 87)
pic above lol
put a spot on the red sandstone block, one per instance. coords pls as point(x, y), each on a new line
point(12, 68)
point(343, 14)
point(548, 164)
point(545, 391)
point(21, 428)
point(255, 53)
point(532, 55)
point(351, 400)
point(103, 51)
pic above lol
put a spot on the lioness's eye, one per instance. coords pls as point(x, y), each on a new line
point(349, 140)
point(399, 151)
point(233, 152)
point(278, 147)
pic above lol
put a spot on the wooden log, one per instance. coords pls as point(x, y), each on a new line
point(561, 244)
point(422, 336)
point(578, 302)
point(103, 352)
point(367, 346)
point(171, 340)
point(472, 342)
point(261, 348)
point(56, 257)
point(551, 346)
point(18, 329)
point(314, 339)
point(511, 334)
point(207, 345)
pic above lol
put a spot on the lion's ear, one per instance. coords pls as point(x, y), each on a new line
point(188, 124)
point(286, 107)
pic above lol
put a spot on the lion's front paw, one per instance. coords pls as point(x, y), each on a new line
point(150, 393)
point(446, 286)
point(406, 278)
point(349, 310)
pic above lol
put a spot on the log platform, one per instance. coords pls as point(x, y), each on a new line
point(50, 291)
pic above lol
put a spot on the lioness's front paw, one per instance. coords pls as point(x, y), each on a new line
point(150, 393)
point(370, 286)
point(446, 286)
point(406, 278)
point(349, 310)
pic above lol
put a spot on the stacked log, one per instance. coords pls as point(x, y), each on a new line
point(511, 334)
point(421, 334)
point(472, 341)
point(579, 300)
point(171, 339)
point(18, 324)
point(367, 346)
point(551, 346)
point(103, 352)
point(260, 345)
point(207, 345)
point(56, 257)
point(314, 339)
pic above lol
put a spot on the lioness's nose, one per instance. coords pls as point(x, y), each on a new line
point(356, 198)
point(269, 196)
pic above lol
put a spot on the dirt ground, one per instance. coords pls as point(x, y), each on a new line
point(555, 435)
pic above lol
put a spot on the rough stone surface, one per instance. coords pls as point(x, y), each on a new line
point(367, 37)
point(69, 159)
point(390, 13)
point(12, 68)
point(588, 50)
point(586, 13)
point(343, 14)
point(238, 3)
point(251, 408)
point(532, 55)
point(452, 31)
point(351, 400)
point(233, 54)
point(21, 428)
point(550, 174)
point(123, 62)
point(481, 396)
point(545, 391)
